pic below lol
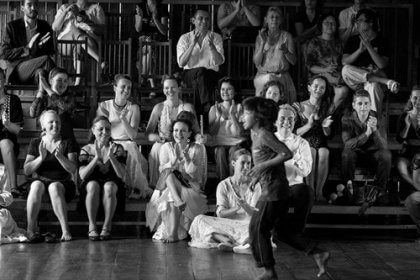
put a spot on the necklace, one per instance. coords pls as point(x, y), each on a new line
point(118, 107)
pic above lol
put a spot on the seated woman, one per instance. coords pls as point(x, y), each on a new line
point(314, 125)
point(224, 126)
point(151, 24)
point(323, 57)
point(238, 20)
point(307, 20)
point(9, 231)
point(79, 21)
point(162, 117)
point(59, 99)
point(125, 119)
point(274, 54)
point(10, 125)
point(178, 197)
point(235, 204)
point(274, 90)
point(50, 161)
point(102, 167)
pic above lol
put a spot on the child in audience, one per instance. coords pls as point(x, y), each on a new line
point(274, 90)
point(162, 116)
point(408, 164)
point(224, 126)
point(314, 125)
point(236, 202)
point(58, 98)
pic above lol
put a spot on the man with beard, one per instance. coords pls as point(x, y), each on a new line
point(27, 46)
point(200, 53)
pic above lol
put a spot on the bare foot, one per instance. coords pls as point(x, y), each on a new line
point(225, 247)
point(66, 236)
point(167, 240)
point(321, 260)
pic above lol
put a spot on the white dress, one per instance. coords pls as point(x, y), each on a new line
point(136, 165)
point(9, 231)
point(236, 227)
point(157, 210)
point(166, 115)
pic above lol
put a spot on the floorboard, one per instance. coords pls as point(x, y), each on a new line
point(146, 260)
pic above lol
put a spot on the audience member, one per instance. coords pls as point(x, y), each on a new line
point(365, 56)
point(274, 90)
point(236, 202)
point(51, 161)
point(102, 167)
point(58, 98)
point(80, 21)
point(307, 20)
point(323, 57)
point(363, 141)
point(301, 195)
point(11, 122)
point(314, 124)
point(178, 197)
point(125, 119)
point(162, 117)
point(224, 126)
point(200, 53)
point(347, 20)
point(27, 47)
point(9, 231)
point(238, 20)
point(274, 53)
point(151, 24)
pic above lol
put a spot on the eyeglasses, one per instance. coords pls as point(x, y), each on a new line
point(329, 23)
point(360, 20)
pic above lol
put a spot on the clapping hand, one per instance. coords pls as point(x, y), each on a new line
point(59, 150)
point(232, 109)
point(218, 110)
point(123, 115)
point(407, 120)
point(98, 151)
point(284, 48)
point(42, 149)
point(185, 154)
point(327, 122)
point(211, 43)
point(197, 35)
point(236, 5)
point(364, 41)
point(311, 119)
point(330, 69)
point(34, 40)
point(263, 35)
point(372, 123)
point(111, 151)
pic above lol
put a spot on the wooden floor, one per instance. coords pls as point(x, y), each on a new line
point(143, 259)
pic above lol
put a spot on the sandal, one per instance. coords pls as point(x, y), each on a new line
point(49, 237)
point(93, 235)
point(105, 234)
point(36, 238)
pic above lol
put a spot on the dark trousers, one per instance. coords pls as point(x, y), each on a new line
point(260, 226)
point(27, 71)
point(204, 84)
point(290, 227)
point(381, 159)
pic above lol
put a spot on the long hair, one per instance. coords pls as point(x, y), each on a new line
point(371, 16)
point(91, 137)
point(265, 111)
point(189, 125)
point(277, 83)
point(325, 99)
point(230, 81)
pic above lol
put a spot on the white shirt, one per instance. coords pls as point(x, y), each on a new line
point(345, 18)
point(301, 164)
point(201, 56)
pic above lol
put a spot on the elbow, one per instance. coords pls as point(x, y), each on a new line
point(26, 171)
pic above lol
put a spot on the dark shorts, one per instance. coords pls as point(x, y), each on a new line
point(69, 189)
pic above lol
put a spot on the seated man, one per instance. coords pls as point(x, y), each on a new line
point(27, 46)
point(200, 52)
point(364, 58)
point(362, 140)
point(347, 20)
point(301, 195)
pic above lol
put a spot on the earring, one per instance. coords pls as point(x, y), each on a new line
point(188, 140)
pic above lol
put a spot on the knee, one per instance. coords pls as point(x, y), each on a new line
point(412, 200)
point(323, 155)
point(92, 188)
point(348, 156)
point(37, 189)
point(6, 146)
point(346, 70)
point(402, 165)
point(385, 156)
point(110, 189)
point(56, 191)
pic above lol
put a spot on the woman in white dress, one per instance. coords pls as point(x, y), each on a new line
point(224, 126)
point(125, 119)
point(178, 196)
point(236, 201)
point(163, 114)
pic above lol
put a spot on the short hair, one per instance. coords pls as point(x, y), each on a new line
point(200, 10)
point(290, 108)
point(274, 9)
point(371, 16)
point(323, 17)
point(277, 83)
point(361, 93)
point(265, 110)
point(44, 113)
point(55, 71)
point(91, 137)
point(228, 80)
point(119, 77)
point(240, 152)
